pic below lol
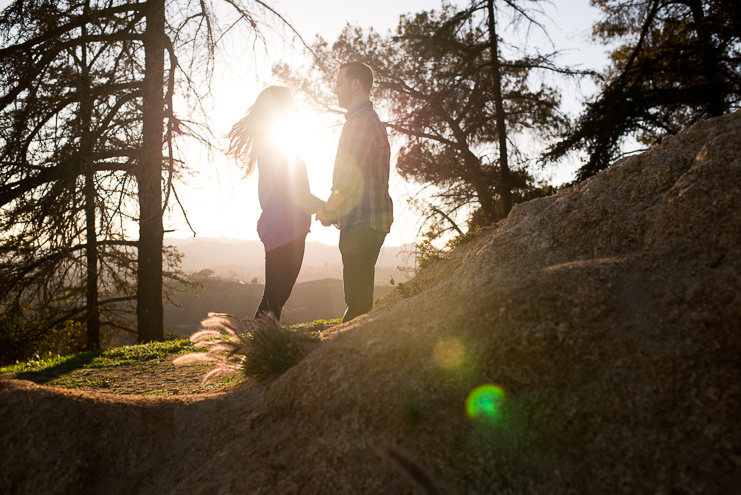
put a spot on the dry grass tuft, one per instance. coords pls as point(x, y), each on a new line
point(259, 348)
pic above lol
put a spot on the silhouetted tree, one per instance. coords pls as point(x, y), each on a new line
point(459, 95)
point(66, 111)
point(678, 62)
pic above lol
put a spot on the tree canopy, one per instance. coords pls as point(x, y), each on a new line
point(460, 99)
point(678, 62)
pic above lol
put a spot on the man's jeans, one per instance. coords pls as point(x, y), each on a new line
point(359, 246)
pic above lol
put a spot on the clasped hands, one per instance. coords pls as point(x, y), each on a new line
point(330, 208)
point(322, 218)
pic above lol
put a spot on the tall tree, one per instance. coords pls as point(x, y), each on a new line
point(66, 111)
point(501, 125)
point(678, 62)
point(85, 88)
point(460, 98)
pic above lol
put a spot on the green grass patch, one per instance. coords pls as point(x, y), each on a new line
point(315, 322)
point(223, 382)
point(142, 368)
point(76, 382)
point(156, 392)
point(103, 359)
point(324, 322)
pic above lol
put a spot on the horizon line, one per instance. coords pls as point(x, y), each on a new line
point(242, 239)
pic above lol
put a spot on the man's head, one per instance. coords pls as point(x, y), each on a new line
point(354, 82)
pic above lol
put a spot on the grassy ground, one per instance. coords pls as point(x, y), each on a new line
point(145, 369)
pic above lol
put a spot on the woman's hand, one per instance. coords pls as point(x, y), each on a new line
point(321, 218)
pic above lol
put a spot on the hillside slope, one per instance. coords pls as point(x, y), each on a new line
point(609, 314)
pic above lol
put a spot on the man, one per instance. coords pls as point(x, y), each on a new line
point(359, 204)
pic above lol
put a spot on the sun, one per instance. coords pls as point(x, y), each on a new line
point(290, 134)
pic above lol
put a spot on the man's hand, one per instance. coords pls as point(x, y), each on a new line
point(320, 217)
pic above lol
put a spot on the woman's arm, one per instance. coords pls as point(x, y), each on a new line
point(293, 181)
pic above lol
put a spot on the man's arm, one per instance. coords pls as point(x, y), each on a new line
point(355, 143)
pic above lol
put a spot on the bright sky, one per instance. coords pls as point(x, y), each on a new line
point(225, 206)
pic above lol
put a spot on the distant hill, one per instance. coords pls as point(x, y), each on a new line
point(309, 301)
point(244, 259)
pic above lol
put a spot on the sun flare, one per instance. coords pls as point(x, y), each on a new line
point(305, 136)
point(290, 135)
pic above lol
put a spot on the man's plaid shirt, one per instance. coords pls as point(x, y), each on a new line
point(361, 170)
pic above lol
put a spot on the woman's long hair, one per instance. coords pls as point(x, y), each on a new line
point(250, 136)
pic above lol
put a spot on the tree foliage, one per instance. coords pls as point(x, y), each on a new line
point(678, 62)
point(434, 81)
point(70, 145)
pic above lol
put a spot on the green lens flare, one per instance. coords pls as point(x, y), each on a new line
point(484, 401)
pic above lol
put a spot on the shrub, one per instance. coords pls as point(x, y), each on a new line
point(26, 336)
point(409, 289)
point(427, 254)
point(259, 348)
point(464, 238)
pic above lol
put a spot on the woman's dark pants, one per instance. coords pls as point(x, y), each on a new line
point(359, 246)
point(282, 265)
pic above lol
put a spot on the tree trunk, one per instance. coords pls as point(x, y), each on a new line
point(91, 255)
point(85, 152)
point(496, 76)
point(149, 310)
point(476, 175)
point(480, 185)
point(715, 92)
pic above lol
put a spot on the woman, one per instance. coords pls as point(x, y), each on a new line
point(283, 187)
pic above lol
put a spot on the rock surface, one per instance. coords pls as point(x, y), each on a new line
point(610, 314)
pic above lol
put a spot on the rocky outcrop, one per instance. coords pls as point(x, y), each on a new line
point(609, 314)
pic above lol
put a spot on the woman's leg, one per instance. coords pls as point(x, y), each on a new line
point(282, 265)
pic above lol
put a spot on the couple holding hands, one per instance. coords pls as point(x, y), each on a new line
point(359, 203)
